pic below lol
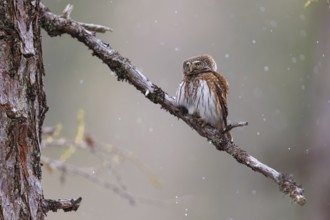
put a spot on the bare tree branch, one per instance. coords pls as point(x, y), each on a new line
point(125, 71)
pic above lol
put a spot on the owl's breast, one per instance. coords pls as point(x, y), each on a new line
point(199, 97)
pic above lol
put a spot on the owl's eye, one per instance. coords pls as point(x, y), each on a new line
point(198, 64)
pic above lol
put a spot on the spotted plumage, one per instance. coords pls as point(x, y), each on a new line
point(203, 92)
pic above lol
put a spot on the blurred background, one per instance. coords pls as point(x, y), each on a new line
point(275, 55)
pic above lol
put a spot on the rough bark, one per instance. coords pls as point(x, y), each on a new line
point(22, 110)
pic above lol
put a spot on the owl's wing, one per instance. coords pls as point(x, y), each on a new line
point(222, 90)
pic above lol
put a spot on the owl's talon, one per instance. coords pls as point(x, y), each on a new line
point(201, 122)
point(183, 110)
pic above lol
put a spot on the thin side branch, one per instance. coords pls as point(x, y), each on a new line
point(91, 27)
point(235, 125)
point(125, 71)
point(96, 27)
point(67, 205)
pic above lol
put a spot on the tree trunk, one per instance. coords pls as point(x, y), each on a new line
point(22, 107)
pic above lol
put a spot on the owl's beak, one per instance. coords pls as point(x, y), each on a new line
point(190, 68)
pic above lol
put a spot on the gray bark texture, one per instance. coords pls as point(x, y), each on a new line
point(22, 110)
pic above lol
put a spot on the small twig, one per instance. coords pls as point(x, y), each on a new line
point(96, 28)
point(125, 71)
point(67, 205)
point(67, 11)
point(234, 125)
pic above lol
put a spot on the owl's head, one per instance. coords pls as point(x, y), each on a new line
point(199, 64)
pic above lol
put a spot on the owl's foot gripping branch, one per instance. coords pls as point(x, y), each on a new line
point(56, 25)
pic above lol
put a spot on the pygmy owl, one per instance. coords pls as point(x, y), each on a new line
point(203, 92)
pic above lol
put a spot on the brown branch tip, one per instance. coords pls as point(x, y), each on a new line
point(288, 186)
point(56, 25)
